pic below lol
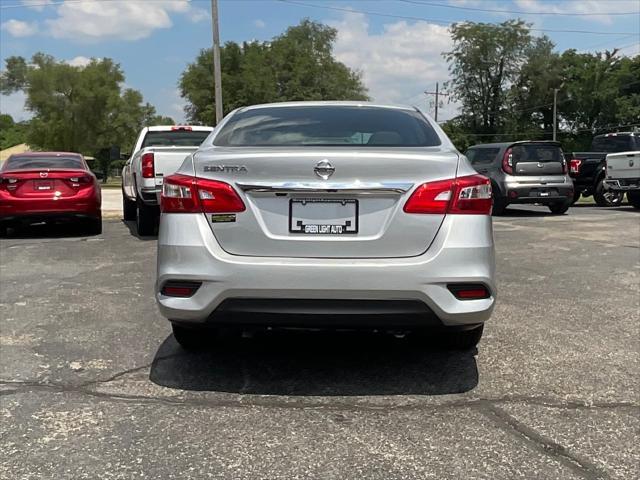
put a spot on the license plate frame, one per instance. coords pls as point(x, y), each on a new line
point(43, 185)
point(323, 227)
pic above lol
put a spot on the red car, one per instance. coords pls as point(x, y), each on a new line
point(49, 186)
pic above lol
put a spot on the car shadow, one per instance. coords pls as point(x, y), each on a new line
point(131, 225)
point(47, 230)
point(312, 363)
point(518, 212)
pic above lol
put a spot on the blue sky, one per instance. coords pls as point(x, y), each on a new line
point(154, 40)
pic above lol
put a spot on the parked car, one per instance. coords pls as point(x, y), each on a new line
point(588, 168)
point(326, 214)
point(524, 172)
point(158, 152)
point(49, 186)
point(623, 175)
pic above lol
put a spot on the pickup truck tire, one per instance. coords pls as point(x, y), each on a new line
point(634, 198)
point(576, 196)
point(606, 198)
point(146, 219)
point(128, 208)
point(560, 208)
point(192, 339)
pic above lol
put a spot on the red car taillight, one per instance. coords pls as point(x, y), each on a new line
point(148, 165)
point(464, 195)
point(8, 183)
point(507, 161)
point(82, 181)
point(471, 291)
point(574, 166)
point(186, 194)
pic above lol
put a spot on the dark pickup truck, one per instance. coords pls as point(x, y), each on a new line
point(588, 168)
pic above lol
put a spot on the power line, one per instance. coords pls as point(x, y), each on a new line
point(440, 22)
point(475, 9)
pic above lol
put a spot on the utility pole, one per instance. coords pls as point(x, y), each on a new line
point(555, 112)
point(217, 75)
point(437, 94)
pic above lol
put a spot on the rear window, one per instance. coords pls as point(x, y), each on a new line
point(26, 163)
point(536, 153)
point(175, 138)
point(613, 144)
point(478, 156)
point(342, 126)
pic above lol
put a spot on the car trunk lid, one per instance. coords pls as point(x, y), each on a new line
point(47, 183)
point(325, 202)
point(536, 159)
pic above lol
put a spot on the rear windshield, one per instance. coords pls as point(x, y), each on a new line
point(327, 126)
point(175, 138)
point(479, 156)
point(536, 153)
point(614, 144)
point(26, 163)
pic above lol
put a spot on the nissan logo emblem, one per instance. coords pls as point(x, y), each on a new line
point(324, 169)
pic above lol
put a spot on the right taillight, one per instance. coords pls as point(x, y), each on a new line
point(574, 166)
point(186, 194)
point(469, 195)
point(507, 161)
point(148, 165)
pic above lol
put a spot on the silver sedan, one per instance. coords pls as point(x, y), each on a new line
point(326, 214)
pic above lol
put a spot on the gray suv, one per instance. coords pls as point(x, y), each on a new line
point(524, 172)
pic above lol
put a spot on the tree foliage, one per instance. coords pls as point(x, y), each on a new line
point(12, 133)
point(297, 65)
point(78, 109)
point(505, 80)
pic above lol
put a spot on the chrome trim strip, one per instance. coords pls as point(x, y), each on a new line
point(355, 187)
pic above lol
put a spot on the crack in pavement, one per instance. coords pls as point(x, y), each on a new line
point(578, 463)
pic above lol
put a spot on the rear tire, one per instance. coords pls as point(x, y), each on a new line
point(634, 198)
point(3, 230)
point(128, 208)
point(146, 219)
point(464, 339)
point(499, 206)
point(559, 208)
point(192, 339)
point(94, 226)
point(607, 198)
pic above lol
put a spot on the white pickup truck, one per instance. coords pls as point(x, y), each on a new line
point(159, 152)
point(623, 175)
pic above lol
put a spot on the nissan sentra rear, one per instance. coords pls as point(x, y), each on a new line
point(326, 214)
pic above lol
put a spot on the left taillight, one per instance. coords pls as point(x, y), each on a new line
point(187, 194)
point(8, 183)
point(148, 165)
point(470, 195)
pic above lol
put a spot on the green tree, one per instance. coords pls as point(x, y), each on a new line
point(297, 65)
point(12, 133)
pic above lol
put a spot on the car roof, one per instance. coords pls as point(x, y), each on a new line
point(47, 154)
point(327, 103)
point(615, 134)
point(168, 128)
point(509, 144)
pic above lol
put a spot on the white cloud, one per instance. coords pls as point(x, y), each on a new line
point(79, 61)
point(14, 105)
point(18, 28)
point(116, 20)
point(37, 5)
point(397, 64)
point(259, 23)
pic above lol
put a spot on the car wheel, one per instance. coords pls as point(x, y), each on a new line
point(634, 198)
point(192, 339)
point(464, 339)
point(94, 226)
point(3, 230)
point(576, 196)
point(128, 208)
point(145, 219)
point(559, 208)
point(607, 198)
point(499, 206)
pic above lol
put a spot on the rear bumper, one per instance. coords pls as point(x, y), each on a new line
point(622, 185)
point(18, 208)
point(462, 252)
point(538, 193)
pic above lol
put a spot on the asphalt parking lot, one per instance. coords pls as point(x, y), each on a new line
point(94, 385)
